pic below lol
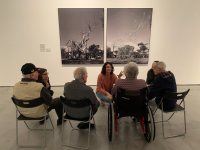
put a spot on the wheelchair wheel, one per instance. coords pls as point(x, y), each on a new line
point(110, 122)
point(149, 125)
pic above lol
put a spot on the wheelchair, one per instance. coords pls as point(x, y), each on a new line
point(131, 104)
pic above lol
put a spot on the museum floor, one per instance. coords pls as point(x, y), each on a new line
point(129, 136)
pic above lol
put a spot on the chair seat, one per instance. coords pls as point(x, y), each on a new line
point(77, 110)
point(21, 117)
point(177, 108)
point(180, 106)
point(77, 119)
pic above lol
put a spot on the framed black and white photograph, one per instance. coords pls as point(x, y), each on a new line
point(128, 35)
point(81, 35)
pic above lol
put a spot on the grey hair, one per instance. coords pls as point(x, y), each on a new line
point(79, 72)
point(26, 75)
point(161, 65)
point(131, 70)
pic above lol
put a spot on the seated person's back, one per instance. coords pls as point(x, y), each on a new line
point(77, 89)
point(164, 81)
point(130, 82)
point(29, 89)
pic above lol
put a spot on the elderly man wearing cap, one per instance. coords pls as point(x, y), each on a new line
point(29, 89)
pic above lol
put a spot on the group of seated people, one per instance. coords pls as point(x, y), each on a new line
point(35, 84)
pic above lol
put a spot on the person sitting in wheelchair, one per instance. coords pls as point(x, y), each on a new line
point(130, 82)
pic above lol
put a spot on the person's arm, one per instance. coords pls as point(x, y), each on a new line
point(92, 97)
point(155, 88)
point(150, 77)
point(115, 78)
point(65, 88)
point(46, 96)
point(50, 90)
point(115, 87)
point(120, 74)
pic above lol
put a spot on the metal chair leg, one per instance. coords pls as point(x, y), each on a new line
point(89, 133)
point(163, 127)
point(44, 130)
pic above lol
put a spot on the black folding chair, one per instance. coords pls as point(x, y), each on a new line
point(77, 110)
point(180, 106)
point(30, 104)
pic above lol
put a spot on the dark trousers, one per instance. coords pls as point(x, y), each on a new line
point(57, 105)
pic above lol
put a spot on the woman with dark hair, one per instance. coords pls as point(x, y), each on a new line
point(105, 82)
point(44, 79)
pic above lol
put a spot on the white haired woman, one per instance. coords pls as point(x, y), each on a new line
point(130, 82)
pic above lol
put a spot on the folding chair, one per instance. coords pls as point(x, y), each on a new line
point(19, 117)
point(77, 110)
point(180, 106)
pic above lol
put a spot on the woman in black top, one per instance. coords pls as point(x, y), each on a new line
point(44, 79)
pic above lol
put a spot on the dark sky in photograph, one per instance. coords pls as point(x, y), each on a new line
point(73, 22)
point(128, 26)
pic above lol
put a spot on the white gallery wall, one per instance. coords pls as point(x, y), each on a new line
point(26, 24)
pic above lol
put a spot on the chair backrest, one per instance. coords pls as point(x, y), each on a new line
point(34, 108)
point(131, 103)
point(77, 109)
point(175, 95)
point(27, 103)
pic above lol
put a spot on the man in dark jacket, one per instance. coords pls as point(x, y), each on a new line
point(164, 81)
point(78, 90)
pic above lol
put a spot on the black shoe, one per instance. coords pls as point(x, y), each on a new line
point(85, 125)
point(41, 122)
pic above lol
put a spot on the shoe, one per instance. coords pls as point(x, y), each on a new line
point(85, 125)
point(41, 122)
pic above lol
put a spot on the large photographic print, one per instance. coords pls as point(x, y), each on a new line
point(128, 35)
point(81, 35)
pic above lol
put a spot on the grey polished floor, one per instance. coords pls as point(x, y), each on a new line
point(129, 136)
